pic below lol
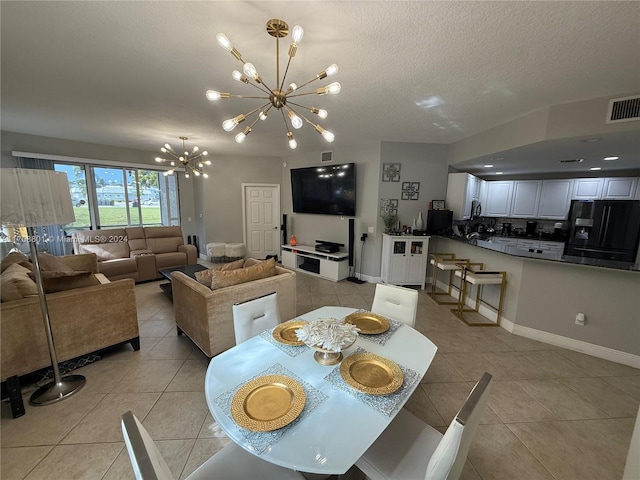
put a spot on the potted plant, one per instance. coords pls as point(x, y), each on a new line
point(390, 220)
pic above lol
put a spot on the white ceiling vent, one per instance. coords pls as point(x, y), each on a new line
point(624, 109)
point(327, 156)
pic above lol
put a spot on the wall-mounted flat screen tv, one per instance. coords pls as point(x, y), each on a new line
point(325, 190)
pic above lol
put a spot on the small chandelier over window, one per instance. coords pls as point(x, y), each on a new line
point(191, 161)
point(280, 97)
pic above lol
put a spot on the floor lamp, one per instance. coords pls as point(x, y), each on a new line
point(36, 198)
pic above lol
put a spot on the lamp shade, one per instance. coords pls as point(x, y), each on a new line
point(34, 198)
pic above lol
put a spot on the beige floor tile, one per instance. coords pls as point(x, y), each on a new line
point(629, 385)
point(48, 424)
point(421, 406)
point(172, 347)
point(598, 366)
point(19, 461)
point(303, 298)
point(606, 397)
point(211, 429)
point(78, 462)
point(555, 364)
point(512, 404)
point(496, 453)
point(203, 449)
point(470, 366)
point(149, 376)
point(560, 400)
point(102, 423)
point(190, 377)
point(103, 376)
point(441, 371)
point(511, 366)
point(584, 449)
point(324, 299)
point(156, 328)
point(176, 415)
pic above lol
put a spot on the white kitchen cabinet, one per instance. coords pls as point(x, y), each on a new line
point(462, 189)
point(587, 188)
point(526, 198)
point(619, 188)
point(555, 199)
point(404, 260)
point(498, 202)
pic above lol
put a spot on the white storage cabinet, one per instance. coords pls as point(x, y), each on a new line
point(332, 266)
point(404, 260)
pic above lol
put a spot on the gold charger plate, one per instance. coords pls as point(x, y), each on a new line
point(268, 403)
point(368, 323)
point(371, 373)
point(286, 332)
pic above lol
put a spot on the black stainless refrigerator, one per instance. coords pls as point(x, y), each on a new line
point(604, 229)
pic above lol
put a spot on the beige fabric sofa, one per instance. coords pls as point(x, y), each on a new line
point(135, 252)
point(83, 320)
point(205, 315)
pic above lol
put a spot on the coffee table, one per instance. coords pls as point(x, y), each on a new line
point(189, 270)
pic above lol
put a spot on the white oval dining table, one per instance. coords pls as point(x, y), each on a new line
point(339, 430)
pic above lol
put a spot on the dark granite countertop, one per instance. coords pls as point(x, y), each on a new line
point(484, 242)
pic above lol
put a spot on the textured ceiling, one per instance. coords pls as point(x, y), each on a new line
point(134, 74)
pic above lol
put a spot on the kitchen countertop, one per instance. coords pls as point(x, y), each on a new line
point(485, 242)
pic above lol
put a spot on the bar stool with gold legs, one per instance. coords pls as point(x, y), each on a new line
point(479, 277)
point(448, 263)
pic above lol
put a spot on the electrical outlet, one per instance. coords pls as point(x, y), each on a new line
point(363, 237)
point(580, 319)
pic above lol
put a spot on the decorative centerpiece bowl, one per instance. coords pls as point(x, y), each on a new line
point(328, 337)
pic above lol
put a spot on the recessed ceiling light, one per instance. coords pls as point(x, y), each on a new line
point(498, 173)
point(610, 158)
point(595, 168)
point(488, 165)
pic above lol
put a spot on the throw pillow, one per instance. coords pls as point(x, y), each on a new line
point(16, 284)
point(204, 276)
point(52, 263)
point(15, 257)
point(221, 279)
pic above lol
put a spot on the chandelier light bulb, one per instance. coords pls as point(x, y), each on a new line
point(213, 95)
point(205, 175)
point(236, 75)
point(167, 146)
point(224, 42)
point(207, 162)
point(242, 135)
point(292, 141)
point(319, 111)
point(296, 121)
point(292, 88)
point(200, 165)
point(159, 160)
point(195, 149)
point(166, 174)
point(229, 125)
point(328, 136)
point(263, 115)
point(196, 173)
point(334, 88)
point(163, 150)
point(331, 70)
point(171, 171)
point(250, 71)
point(297, 33)
point(173, 164)
point(186, 174)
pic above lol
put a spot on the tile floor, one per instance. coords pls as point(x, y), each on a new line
point(553, 413)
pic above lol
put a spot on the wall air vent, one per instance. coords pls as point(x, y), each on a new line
point(573, 160)
point(326, 156)
point(624, 109)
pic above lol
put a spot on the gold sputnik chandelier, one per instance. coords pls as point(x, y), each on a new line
point(191, 161)
point(280, 97)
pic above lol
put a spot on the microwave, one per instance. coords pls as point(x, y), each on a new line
point(476, 210)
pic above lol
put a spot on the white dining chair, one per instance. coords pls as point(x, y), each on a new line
point(255, 315)
point(398, 303)
point(230, 463)
point(409, 449)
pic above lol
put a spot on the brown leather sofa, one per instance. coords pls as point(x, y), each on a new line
point(135, 252)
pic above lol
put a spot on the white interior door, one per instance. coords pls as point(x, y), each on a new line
point(261, 207)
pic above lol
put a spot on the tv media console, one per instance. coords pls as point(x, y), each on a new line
point(305, 258)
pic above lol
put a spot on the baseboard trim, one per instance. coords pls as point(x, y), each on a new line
point(592, 349)
point(580, 346)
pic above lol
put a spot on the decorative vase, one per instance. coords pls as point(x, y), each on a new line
point(292, 241)
point(328, 357)
point(419, 222)
point(414, 225)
